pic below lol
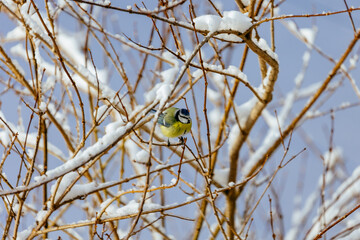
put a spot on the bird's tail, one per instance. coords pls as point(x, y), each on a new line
point(153, 110)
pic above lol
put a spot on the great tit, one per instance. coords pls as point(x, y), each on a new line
point(174, 122)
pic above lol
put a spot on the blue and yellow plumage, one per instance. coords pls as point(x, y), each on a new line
point(174, 122)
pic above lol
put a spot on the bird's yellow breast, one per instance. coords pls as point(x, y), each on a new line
point(176, 130)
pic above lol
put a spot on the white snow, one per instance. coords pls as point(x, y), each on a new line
point(163, 93)
point(214, 97)
point(60, 116)
point(231, 20)
point(235, 20)
point(233, 136)
point(306, 35)
point(18, 33)
point(82, 157)
point(77, 190)
point(231, 71)
point(31, 139)
point(243, 111)
point(300, 215)
point(353, 61)
point(197, 73)
point(113, 126)
point(10, 4)
point(309, 35)
point(169, 75)
point(25, 233)
point(136, 154)
point(269, 139)
point(208, 22)
point(306, 57)
point(5, 138)
point(262, 44)
point(221, 176)
point(42, 106)
point(162, 90)
point(18, 50)
point(270, 119)
point(214, 117)
point(339, 203)
point(291, 25)
point(130, 208)
point(48, 84)
point(100, 113)
point(142, 156)
point(219, 81)
point(173, 181)
point(334, 157)
point(40, 215)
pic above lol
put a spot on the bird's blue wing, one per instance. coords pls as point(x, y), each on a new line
point(162, 120)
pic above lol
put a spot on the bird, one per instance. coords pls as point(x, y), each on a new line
point(174, 122)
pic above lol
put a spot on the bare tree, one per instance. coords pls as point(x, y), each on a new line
point(83, 155)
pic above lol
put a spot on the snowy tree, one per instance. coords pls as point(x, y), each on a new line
point(272, 90)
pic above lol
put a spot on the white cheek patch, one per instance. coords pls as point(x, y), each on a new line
point(184, 119)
